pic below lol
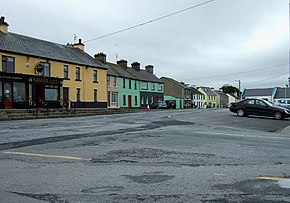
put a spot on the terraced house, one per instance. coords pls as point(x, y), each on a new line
point(134, 87)
point(210, 98)
point(38, 73)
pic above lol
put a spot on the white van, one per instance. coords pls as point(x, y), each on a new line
point(282, 102)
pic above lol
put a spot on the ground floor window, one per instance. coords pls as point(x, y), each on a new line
point(95, 95)
point(78, 94)
point(114, 97)
point(124, 99)
point(51, 93)
point(136, 100)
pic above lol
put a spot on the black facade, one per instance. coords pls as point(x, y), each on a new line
point(148, 98)
point(29, 91)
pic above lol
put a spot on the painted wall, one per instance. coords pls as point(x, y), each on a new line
point(26, 65)
point(178, 101)
point(128, 90)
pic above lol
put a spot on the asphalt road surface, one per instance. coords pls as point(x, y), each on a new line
point(154, 156)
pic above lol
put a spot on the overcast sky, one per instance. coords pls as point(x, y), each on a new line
point(218, 43)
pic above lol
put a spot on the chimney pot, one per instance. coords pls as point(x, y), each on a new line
point(123, 63)
point(136, 66)
point(149, 68)
point(3, 25)
point(101, 57)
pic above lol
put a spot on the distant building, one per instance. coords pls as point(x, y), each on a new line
point(222, 99)
point(197, 98)
point(210, 98)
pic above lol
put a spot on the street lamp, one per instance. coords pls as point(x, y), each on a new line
point(286, 92)
point(240, 95)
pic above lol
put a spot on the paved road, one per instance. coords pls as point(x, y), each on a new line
point(161, 156)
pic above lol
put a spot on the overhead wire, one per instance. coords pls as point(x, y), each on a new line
point(238, 73)
point(150, 21)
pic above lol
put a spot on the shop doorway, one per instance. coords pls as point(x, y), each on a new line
point(8, 95)
point(38, 96)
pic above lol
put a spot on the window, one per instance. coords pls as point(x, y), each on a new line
point(153, 86)
point(147, 100)
point(1, 92)
point(124, 83)
point(78, 73)
point(124, 99)
point(136, 100)
point(144, 85)
point(19, 92)
point(142, 100)
point(95, 95)
point(115, 81)
point(46, 69)
point(108, 81)
point(78, 94)
point(160, 87)
point(251, 102)
point(65, 72)
point(130, 85)
point(8, 64)
point(51, 93)
point(135, 84)
point(152, 99)
point(95, 76)
point(114, 97)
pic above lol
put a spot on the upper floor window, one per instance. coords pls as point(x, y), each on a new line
point(135, 84)
point(160, 87)
point(46, 69)
point(108, 81)
point(144, 85)
point(8, 64)
point(95, 76)
point(65, 72)
point(153, 86)
point(115, 81)
point(124, 83)
point(78, 73)
point(130, 85)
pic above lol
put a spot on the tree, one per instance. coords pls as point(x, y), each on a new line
point(228, 89)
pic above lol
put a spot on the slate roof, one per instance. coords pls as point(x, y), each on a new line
point(195, 91)
point(281, 93)
point(258, 92)
point(175, 82)
point(208, 91)
point(142, 75)
point(20, 44)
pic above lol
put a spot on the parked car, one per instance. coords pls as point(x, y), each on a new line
point(282, 102)
point(258, 107)
point(171, 104)
point(158, 105)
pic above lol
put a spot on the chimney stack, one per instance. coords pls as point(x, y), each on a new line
point(79, 45)
point(123, 63)
point(101, 57)
point(149, 68)
point(136, 66)
point(3, 25)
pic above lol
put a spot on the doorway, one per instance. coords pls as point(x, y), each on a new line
point(129, 101)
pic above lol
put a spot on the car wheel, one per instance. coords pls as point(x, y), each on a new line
point(241, 112)
point(278, 115)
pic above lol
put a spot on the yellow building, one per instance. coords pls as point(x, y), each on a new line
point(37, 73)
point(210, 98)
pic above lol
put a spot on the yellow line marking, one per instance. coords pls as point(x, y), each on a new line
point(272, 178)
point(48, 156)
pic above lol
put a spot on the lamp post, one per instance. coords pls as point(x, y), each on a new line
point(286, 92)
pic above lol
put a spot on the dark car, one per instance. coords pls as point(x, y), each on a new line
point(158, 105)
point(258, 107)
point(170, 104)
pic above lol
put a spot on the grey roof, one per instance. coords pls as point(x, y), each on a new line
point(116, 70)
point(195, 91)
point(281, 93)
point(174, 82)
point(20, 44)
point(144, 75)
point(258, 92)
point(208, 91)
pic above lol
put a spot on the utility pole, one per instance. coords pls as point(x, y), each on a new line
point(240, 95)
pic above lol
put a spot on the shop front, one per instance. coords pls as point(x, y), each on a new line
point(20, 91)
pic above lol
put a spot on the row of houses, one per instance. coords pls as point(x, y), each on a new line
point(269, 94)
point(37, 74)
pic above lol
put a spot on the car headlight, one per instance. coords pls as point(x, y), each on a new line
point(287, 111)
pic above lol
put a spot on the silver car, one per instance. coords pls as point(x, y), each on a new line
point(282, 102)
